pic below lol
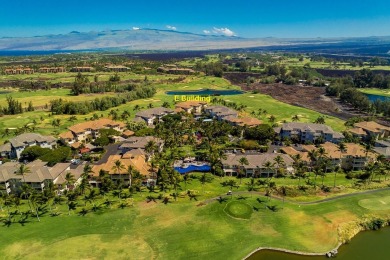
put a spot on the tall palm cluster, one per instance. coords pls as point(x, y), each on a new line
point(233, 105)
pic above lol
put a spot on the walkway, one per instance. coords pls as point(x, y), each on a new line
point(295, 202)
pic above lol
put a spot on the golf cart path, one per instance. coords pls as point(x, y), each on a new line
point(296, 202)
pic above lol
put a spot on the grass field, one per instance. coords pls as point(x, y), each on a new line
point(68, 77)
point(43, 97)
point(254, 102)
point(375, 91)
point(239, 210)
point(294, 62)
point(382, 203)
point(183, 230)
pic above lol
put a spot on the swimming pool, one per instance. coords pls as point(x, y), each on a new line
point(193, 168)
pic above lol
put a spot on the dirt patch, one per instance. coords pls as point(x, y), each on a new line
point(262, 229)
point(95, 246)
point(315, 227)
point(303, 96)
point(340, 217)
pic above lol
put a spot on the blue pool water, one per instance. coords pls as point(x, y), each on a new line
point(206, 92)
point(373, 97)
point(193, 168)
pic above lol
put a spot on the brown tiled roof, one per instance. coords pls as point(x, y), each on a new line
point(292, 152)
point(157, 111)
point(128, 133)
point(244, 121)
point(189, 104)
point(76, 145)
point(256, 160)
point(309, 147)
point(95, 125)
point(139, 162)
point(66, 135)
point(352, 149)
point(132, 153)
point(38, 171)
point(135, 142)
point(357, 131)
point(372, 126)
point(23, 139)
point(307, 127)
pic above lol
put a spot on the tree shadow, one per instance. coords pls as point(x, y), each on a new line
point(83, 212)
point(222, 200)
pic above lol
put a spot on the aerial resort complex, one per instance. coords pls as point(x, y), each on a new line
point(231, 133)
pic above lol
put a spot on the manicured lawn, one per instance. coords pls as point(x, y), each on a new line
point(375, 91)
point(183, 230)
point(239, 209)
point(382, 203)
point(282, 111)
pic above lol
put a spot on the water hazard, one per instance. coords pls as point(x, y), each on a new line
point(372, 245)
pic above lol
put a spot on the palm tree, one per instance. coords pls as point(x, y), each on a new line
point(300, 168)
point(295, 118)
point(279, 162)
point(313, 156)
point(320, 120)
point(118, 166)
point(367, 148)
point(87, 170)
point(150, 148)
point(22, 170)
point(203, 180)
point(216, 154)
point(269, 166)
point(69, 179)
point(186, 178)
point(341, 147)
point(243, 161)
point(34, 197)
point(130, 170)
point(272, 119)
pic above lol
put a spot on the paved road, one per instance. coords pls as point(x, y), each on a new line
point(295, 202)
point(111, 149)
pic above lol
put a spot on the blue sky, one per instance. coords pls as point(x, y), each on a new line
point(283, 18)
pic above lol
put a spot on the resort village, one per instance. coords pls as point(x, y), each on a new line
point(214, 138)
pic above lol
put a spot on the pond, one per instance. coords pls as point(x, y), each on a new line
point(372, 245)
point(373, 97)
point(206, 92)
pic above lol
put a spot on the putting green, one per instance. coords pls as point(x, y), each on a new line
point(382, 203)
point(239, 209)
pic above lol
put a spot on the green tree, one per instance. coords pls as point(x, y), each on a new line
point(117, 167)
point(242, 161)
point(80, 85)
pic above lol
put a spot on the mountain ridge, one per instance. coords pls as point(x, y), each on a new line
point(155, 39)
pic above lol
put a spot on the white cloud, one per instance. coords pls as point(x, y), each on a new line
point(136, 28)
point(224, 31)
point(173, 28)
point(206, 32)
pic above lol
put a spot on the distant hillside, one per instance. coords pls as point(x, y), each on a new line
point(151, 39)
